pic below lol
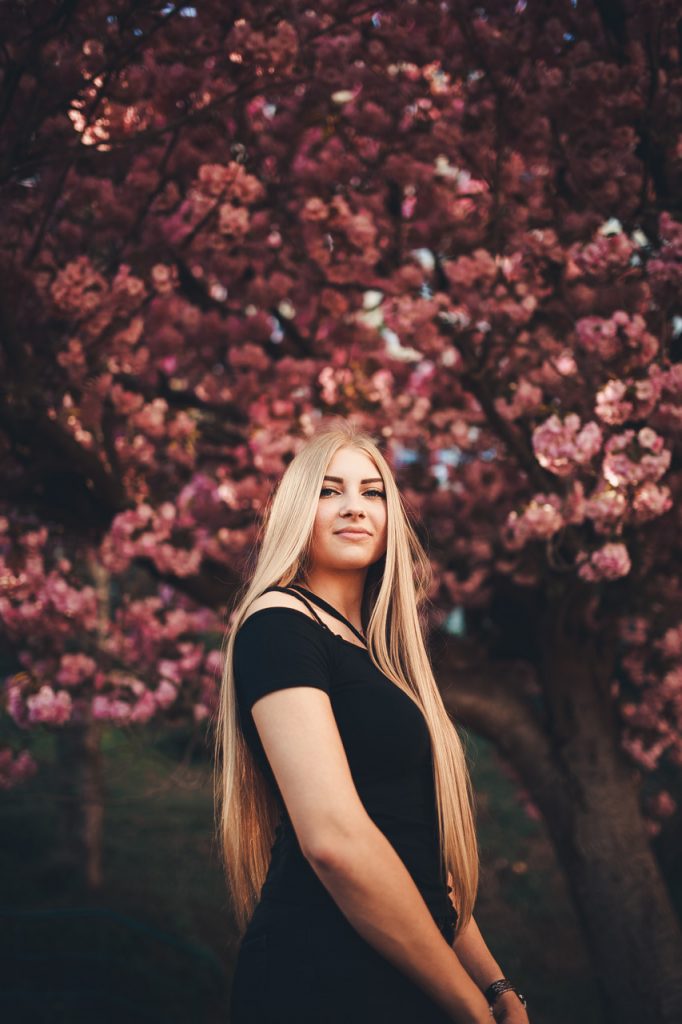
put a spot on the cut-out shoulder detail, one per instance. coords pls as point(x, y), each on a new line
point(297, 611)
point(275, 599)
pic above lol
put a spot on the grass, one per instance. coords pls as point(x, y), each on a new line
point(157, 943)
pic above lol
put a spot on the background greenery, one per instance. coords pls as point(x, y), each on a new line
point(158, 944)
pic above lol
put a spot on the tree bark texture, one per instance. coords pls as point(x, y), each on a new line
point(555, 723)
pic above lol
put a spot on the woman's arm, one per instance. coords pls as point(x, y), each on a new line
point(484, 969)
point(371, 885)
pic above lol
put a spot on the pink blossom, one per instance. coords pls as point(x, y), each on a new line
point(620, 334)
point(611, 406)
point(540, 519)
point(628, 462)
point(170, 670)
point(110, 709)
point(200, 712)
point(144, 708)
point(606, 506)
point(78, 288)
point(233, 220)
point(15, 770)
point(670, 643)
point(651, 500)
point(165, 694)
point(672, 682)
point(525, 398)
point(662, 804)
point(314, 210)
point(49, 706)
point(609, 562)
point(75, 669)
point(561, 446)
point(648, 438)
point(213, 662)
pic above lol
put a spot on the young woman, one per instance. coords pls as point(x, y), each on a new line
point(346, 808)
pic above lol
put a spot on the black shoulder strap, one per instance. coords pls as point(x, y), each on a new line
point(329, 608)
point(286, 590)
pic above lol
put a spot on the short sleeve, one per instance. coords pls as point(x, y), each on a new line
point(276, 648)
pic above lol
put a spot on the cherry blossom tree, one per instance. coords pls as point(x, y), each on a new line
point(458, 225)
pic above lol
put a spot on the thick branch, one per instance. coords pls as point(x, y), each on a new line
point(495, 700)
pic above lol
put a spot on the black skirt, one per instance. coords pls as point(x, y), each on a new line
point(308, 965)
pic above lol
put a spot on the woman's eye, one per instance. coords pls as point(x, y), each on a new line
point(330, 490)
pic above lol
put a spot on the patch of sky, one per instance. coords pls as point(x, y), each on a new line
point(677, 326)
point(405, 456)
point(395, 348)
point(612, 226)
point(569, 37)
point(452, 456)
point(424, 258)
point(425, 291)
point(372, 298)
point(456, 622)
point(376, 20)
point(188, 12)
point(441, 474)
point(277, 334)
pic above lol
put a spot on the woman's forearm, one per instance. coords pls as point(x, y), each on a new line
point(376, 893)
point(475, 956)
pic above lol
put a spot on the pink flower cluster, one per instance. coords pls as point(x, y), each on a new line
point(632, 458)
point(147, 532)
point(541, 518)
point(562, 445)
point(526, 398)
point(123, 712)
point(15, 769)
point(49, 706)
point(621, 335)
point(606, 254)
point(156, 635)
point(609, 562)
point(78, 288)
point(621, 400)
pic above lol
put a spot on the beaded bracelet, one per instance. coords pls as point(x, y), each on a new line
point(496, 988)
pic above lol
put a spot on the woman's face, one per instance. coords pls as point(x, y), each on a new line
point(352, 497)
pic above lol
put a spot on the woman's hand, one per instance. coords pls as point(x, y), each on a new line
point(509, 1009)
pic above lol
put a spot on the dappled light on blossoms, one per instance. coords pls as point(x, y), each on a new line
point(224, 224)
point(147, 658)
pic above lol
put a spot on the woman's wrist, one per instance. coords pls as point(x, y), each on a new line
point(506, 1001)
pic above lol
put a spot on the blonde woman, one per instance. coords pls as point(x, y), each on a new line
point(346, 808)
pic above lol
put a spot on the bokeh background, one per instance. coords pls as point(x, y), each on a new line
point(456, 224)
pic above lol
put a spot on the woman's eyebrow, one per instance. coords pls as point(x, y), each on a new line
point(368, 480)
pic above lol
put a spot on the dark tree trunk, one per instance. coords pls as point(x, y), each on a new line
point(568, 756)
point(80, 774)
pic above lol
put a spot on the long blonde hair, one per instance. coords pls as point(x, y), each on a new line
point(396, 587)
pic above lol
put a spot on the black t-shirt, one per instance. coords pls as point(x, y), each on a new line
point(384, 734)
